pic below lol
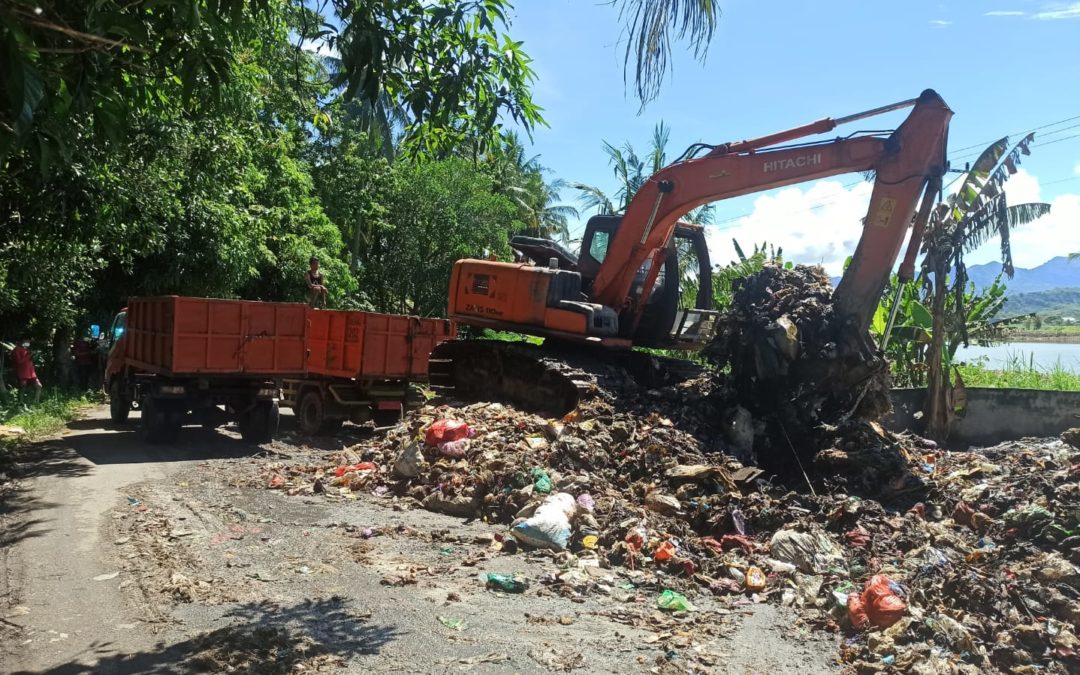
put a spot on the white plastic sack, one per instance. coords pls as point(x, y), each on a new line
point(549, 527)
point(810, 553)
point(410, 461)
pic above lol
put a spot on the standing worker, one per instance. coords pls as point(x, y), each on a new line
point(86, 361)
point(24, 368)
point(316, 284)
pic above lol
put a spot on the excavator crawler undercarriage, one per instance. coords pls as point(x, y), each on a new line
point(549, 379)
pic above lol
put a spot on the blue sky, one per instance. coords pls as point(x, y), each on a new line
point(1004, 67)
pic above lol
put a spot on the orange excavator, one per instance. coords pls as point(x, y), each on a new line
point(623, 288)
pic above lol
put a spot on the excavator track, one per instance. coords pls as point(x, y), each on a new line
point(549, 379)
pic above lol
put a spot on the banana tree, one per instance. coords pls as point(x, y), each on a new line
point(913, 330)
point(967, 219)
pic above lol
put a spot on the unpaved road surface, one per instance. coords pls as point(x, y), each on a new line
point(121, 558)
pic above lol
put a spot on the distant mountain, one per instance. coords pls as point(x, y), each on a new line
point(1058, 301)
point(1056, 273)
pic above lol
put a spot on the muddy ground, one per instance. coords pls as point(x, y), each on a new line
point(117, 558)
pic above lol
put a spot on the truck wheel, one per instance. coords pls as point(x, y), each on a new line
point(119, 405)
point(312, 414)
point(157, 424)
point(261, 423)
point(386, 418)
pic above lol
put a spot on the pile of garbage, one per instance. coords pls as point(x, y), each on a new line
point(979, 575)
point(795, 365)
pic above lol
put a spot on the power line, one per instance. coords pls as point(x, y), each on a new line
point(1056, 140)
point(1044, 126)
point(1037, 143)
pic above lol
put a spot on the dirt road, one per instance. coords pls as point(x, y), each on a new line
point(121, 558)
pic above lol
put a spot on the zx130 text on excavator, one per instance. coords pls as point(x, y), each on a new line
point(622, 289)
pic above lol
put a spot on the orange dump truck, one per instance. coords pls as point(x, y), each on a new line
point(207, 361)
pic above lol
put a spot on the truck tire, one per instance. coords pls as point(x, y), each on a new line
point(386, 418)
point(261, 423)
point(312, 416)
point(119, 405)
point(157, 424)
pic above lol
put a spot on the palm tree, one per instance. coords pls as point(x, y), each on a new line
point(967, 219)
point(649, 27)
point(631, 172)
point(521, 179)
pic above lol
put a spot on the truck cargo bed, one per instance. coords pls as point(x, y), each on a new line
point(371, 346)
point(174, 335)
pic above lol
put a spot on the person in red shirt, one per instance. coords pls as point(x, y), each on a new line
point(25, 374)
point(85, 362)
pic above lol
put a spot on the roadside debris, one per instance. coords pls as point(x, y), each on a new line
point(966, 559)
point(927, 561)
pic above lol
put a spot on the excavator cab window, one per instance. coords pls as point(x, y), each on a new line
point(599, 245)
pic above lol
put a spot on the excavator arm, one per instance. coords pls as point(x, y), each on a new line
point(909, 160)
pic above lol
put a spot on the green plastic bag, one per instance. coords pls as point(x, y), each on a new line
point(541, 481)
point(674, 602)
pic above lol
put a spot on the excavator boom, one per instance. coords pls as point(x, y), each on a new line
point(903, 164)
point(611, 294)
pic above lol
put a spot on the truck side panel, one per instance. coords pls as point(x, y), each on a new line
point(180, 335)
point(366, 345)
point(335, 342)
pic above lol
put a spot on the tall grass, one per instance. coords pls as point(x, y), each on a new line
point(1020, 373)
point(56, 408)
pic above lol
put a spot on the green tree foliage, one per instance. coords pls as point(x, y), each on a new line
point(650, 25)
point(210, 147)
point(438, 212)
point(213, 200)
point(522, 179)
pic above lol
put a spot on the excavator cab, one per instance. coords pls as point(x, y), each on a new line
point(686, 272)
point(680, 305)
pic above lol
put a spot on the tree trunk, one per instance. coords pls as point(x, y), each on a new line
point(65, 374)
point(936, 409)
point(355, 264)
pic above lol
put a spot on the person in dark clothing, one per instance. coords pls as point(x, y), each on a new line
point(25, 374)
point(86, 362)
point(316, 284)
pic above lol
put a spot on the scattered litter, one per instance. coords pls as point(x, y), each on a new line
point(506, 582)
point(453, 624)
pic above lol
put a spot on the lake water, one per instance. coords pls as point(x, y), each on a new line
point(1044, 354)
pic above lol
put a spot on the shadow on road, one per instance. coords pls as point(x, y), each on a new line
point(263, 638)
point(47, 458)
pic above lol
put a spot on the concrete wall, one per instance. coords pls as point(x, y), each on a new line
point(995, 415)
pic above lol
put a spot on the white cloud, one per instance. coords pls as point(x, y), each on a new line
point(1077, 169)
point(1059, 11)
point(1052, 235)
point(1022, 188)
point(940, 23)
point(817, 225)
point(822, 224)
point(1004, 12)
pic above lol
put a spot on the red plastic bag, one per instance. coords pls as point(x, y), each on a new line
point(857, 611)
point(446, 431)
point(877, 605)
point(665, 551)
point(359, 466)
